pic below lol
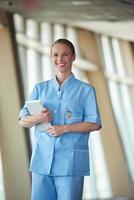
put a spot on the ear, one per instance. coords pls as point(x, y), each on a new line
point(74, 57)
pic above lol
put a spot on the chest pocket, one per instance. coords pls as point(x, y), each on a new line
point(73, 108)
point(74, 118)
point(72, 114)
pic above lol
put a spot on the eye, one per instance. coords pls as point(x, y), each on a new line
point(55, 55)
point(65, 54)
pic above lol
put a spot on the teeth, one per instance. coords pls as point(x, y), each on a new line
point(61, 65)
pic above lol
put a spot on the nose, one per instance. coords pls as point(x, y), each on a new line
point(60, 58)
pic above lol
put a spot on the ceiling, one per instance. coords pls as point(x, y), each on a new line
point(111, 17)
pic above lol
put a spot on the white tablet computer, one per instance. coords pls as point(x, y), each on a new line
point(34, 107)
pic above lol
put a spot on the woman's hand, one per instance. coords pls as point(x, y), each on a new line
point(31, 120)
point(56, 130)
point(82, 127)
point(44, 115)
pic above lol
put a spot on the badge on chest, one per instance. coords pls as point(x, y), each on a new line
point(68, 115)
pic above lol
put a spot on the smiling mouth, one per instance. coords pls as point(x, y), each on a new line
point(61, 65)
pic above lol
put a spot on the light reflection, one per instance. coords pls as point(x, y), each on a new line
point(2, 192)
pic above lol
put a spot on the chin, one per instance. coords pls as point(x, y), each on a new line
point(61, 69)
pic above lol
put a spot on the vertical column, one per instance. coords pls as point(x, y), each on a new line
point(71, 34)
point(12, 137)
point(46, 40)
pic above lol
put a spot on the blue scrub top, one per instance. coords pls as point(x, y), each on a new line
point(72, 102)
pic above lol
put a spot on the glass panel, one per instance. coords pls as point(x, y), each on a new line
point(120, 70)
point(58, 31)
point(121, 119)
point(131, 92)
point(107, 53)
point(33, 68)
point(19, 23)
point(47, 68)
point(102, 181)
point(32, 29)
point(126, 104)
point(46, 34)
point(121, 98)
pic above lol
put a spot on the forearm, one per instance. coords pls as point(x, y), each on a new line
point(29, 121)
point(81, 127)
point(44, 116)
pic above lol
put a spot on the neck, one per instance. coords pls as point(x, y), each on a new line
point(61, 77)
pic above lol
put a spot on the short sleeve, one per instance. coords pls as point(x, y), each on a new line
point(33, 96)
point(91, 110)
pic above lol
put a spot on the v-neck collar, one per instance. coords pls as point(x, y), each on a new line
point(66, 83)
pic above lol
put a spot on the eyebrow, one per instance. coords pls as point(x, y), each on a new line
point(62, 52)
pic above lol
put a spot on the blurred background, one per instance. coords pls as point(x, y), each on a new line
point(102, 32)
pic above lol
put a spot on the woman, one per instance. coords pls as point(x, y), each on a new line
point(60, 158)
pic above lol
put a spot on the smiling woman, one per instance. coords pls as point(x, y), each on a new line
point(103, 178)
point(61, 156)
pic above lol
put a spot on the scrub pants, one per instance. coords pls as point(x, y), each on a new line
point(56, 187)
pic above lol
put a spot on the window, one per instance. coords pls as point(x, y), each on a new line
point(120, 89)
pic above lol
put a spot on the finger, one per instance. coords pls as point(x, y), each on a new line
point(53, 134)
point(49, 117)
point(43, 110)
point(51, 131)
point(50, 128)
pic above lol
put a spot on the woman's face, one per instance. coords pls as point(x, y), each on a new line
point(62, 58)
